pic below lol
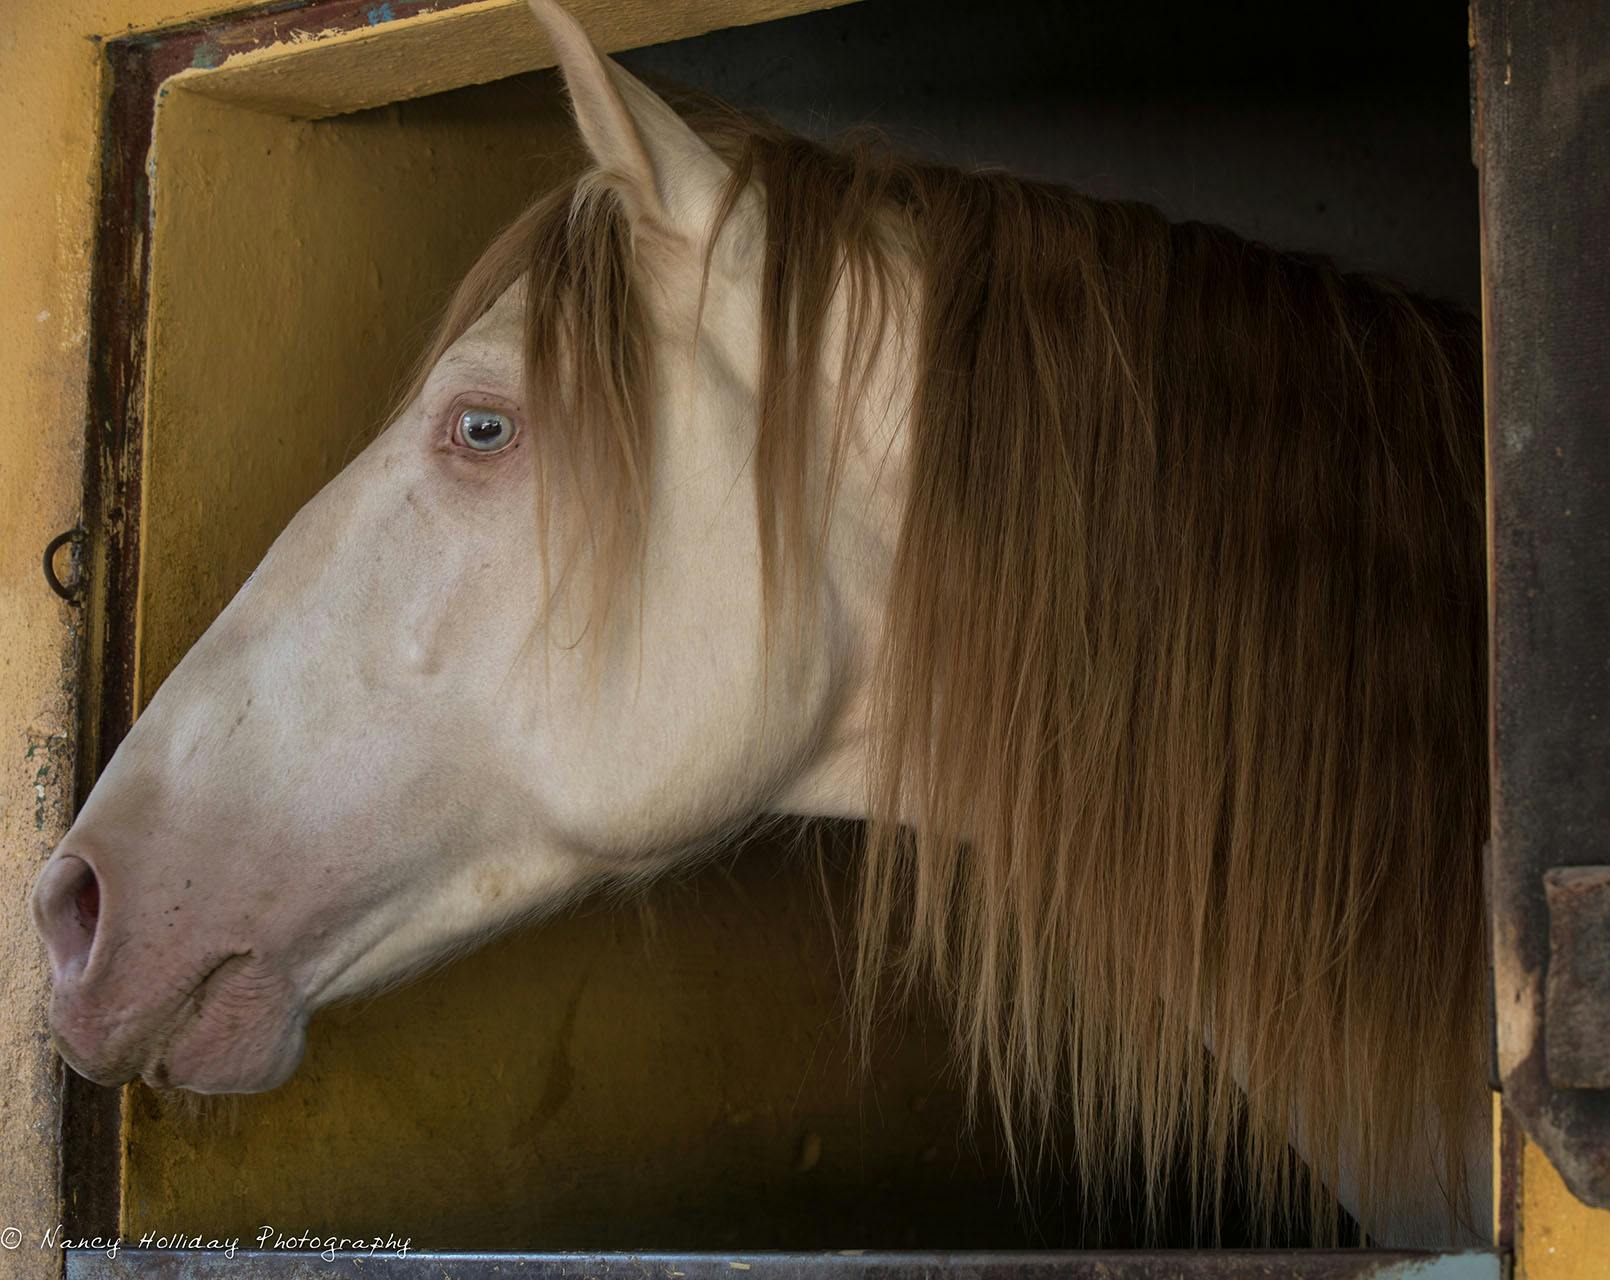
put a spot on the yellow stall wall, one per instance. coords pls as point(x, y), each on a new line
point(1557, 1237)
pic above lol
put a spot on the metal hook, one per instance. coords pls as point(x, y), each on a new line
point(72, 594)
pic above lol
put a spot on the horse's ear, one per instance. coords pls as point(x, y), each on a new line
point(664, 171)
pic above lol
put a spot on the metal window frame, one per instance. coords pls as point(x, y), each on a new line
point(1540, 74)
point(1550, 576)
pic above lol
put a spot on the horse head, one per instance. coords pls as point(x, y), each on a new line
point(517, 647)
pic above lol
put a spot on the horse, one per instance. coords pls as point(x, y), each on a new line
point(1125, 578)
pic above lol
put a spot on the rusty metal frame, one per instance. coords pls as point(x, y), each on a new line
point(1542, 85)
point(1314, 1264)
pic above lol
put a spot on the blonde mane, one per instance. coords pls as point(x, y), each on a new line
point(1184, 671)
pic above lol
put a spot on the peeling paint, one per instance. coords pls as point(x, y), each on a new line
point(44, 754)
point(431, 49)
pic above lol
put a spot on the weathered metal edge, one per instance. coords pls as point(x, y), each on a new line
point(1162, 1265)
point(1545, 189)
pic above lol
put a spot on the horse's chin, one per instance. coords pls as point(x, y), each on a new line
point(200, 1062)
point(243, 1031)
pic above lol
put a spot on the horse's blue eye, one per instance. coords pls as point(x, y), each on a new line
point(485, 430)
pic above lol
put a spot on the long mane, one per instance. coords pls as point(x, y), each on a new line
point(1183, 676)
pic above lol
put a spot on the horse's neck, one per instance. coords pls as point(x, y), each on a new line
point(863, 530)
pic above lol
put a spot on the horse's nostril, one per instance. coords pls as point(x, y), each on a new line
point(67, 909)
point(87, 898)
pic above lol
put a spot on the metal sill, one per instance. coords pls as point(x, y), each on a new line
point(1311, 1264)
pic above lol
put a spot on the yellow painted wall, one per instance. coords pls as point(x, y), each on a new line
point(1557, 1237)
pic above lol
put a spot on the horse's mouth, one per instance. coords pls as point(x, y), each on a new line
point(189, 1008)
point(239, 1028)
